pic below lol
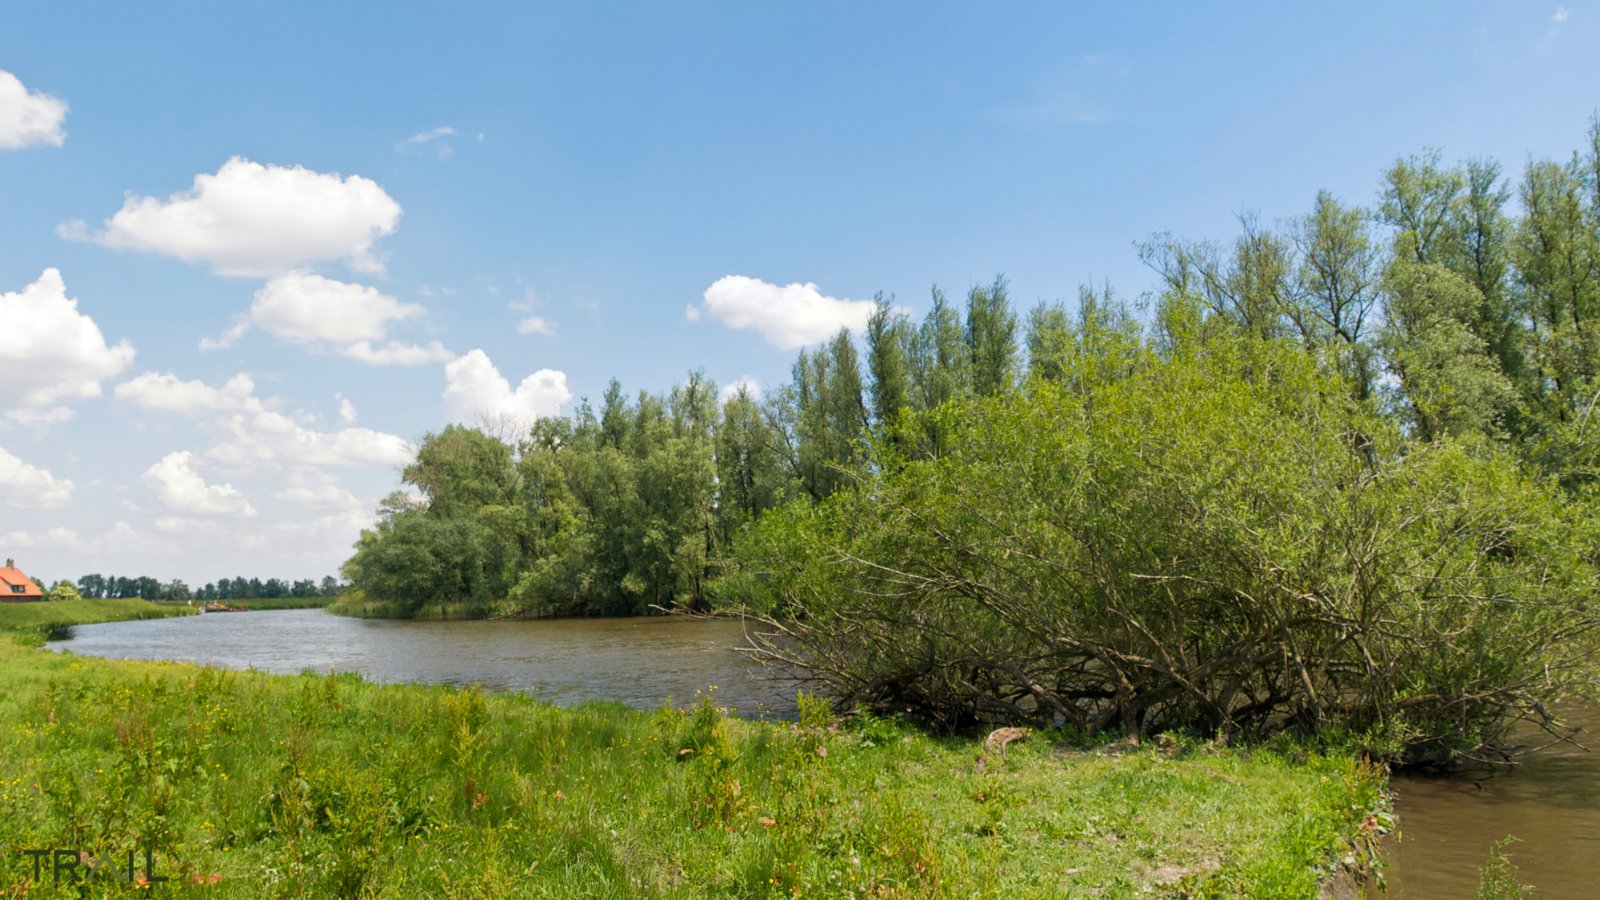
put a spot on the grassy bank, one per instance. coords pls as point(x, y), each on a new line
point(355, 605)
point(34, 620)
point(260, 785)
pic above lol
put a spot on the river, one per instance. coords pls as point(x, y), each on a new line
point(1551, 804)
point(639, 661)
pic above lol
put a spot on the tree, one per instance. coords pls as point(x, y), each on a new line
point(940, 369)
point(991, 339)
point(62, 590)
point(1454, 218)
point(1049, 339)
point(1451, 384)
point(749, 479)
point(1338, 279)
point(461, 469)
point(888, 362)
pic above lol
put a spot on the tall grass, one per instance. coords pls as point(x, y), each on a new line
point(243, 784)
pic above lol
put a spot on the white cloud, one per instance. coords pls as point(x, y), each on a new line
point(397, 353)
point(307, 308)
point(315, 489)
point(28, 487)
point(750, 384)
point(436, 137)
point(227, 338)
point(51, 352)
point(40, 416)
point(250, 219)
point(58, 537)
point(535, 325)
point(347, 410)
point(333, 316)
point(435, 134)
point(184, 526)
point(178, 486)
point(787, 317)
point(168, 393)
point(475, 389)
point(28, 118)
point(262, 439)
point(311, 542)
point(1560, 15)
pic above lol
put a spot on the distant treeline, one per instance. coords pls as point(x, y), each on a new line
point(101, 587)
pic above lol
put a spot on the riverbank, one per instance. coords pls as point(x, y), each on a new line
point(355, 605)
point(36, 621)
point(261, 603)
point(327, 785)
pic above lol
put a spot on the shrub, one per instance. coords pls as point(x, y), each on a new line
point(1222, 541)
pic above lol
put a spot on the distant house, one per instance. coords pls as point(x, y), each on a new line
point(16, 587)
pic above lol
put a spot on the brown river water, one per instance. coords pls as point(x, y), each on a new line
point(1550, 804)
point(641, 662)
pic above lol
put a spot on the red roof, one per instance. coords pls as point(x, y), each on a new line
point(11, 579)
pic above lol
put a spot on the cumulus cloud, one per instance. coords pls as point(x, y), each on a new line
point(51, 352)
point(28, 118)
point(28, 487)
point(263, 439)
point(307, 308)
point(168, 393)
point(333, 316)
point(179, 487)
point(788, 317)
point(347, 410)
point(258, 220)
point(475, 389)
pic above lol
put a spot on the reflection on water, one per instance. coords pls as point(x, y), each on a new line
point(639, 661)
point(1550, 803)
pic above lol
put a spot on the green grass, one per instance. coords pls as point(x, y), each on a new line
point(356, 606)
point(36, 620)
point(259, 786)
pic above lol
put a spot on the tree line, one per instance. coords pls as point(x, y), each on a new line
point(99, 587)
point(1339, 472)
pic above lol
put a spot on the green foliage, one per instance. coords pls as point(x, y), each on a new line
point(1221, 540)
point(1497, 878)
point(62, 590)
point(1449, 382)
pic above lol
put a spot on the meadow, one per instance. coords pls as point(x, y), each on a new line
point(243, 784)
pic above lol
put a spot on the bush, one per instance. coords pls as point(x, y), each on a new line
point(63, 590)
point(1222, 541)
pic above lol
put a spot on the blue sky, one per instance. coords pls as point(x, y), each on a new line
point(301, 236)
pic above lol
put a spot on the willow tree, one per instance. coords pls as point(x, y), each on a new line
point(1221, 540)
